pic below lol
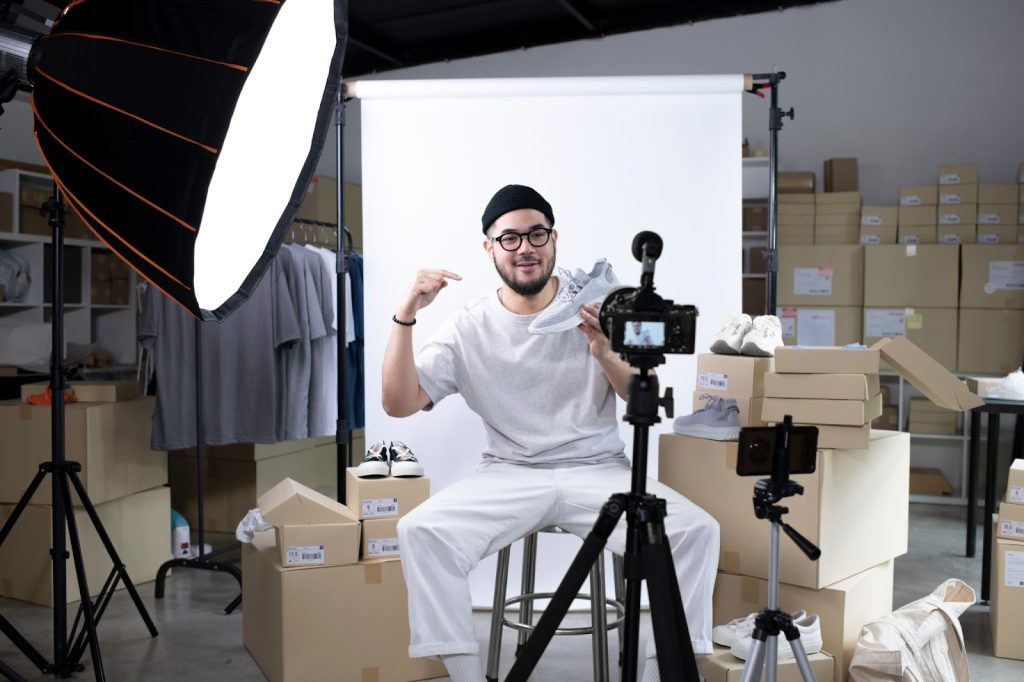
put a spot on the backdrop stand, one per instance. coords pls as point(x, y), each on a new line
point(343, 434)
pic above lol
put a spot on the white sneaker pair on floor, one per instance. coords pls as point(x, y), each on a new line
point(738, 635)
point(741, 335)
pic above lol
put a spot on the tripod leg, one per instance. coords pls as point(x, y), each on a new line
point(9, 673)
point(118, 564)
point(83, 588)
point(793, 635)
point(633, 568)
point(30, 651)
point(22, 503)
point(755, 661)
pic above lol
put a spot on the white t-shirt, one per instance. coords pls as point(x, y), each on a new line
point(543, 398)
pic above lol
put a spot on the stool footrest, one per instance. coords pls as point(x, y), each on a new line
point(619, 607)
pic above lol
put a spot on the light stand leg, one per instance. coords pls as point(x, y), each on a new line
point(83, 591)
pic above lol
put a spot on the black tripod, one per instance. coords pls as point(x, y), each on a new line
point(648, 556)
point(67, 650)
point(771, 622)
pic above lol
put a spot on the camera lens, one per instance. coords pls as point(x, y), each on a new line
point(760, 452)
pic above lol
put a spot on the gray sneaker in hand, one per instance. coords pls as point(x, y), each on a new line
point(719, 419)
point(575, 290)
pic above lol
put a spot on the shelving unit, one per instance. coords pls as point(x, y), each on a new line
point(109, 326)
point(755, 194)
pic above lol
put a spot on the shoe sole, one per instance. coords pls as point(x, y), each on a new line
point(372, 470)
point(721, 347)
point(711, 432)
point(406, 469)
point(784, 652)
point(756, 351)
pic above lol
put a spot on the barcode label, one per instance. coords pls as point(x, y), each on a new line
point(949, 179)
point(1015, 494)
point(715, 380)
point(304, 554)
point(989, 219)
point(382, 546)
point(1013, 529)
point(949, 218)
point(384, 506)
point(871, 219)
point(949, 238)
point(910, 200)
point(949, 199)
point(870, 239)
point(988, 238)
point(812, 281)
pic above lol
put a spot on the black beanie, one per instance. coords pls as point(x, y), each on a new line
point(514, 197)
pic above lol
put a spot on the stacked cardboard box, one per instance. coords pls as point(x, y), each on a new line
point(837, 218)
point(1007, 594)
point(991, 330)
point(925, 417)
point(918, 215)
point(297, 580)
point(380, 503)
point(841, 175)
point(911, 290)
point(889, 420)
point(795, 219)
point(878, 224)
point(820, 294)
point(997, 213)
point(122, 476)
point(958, 203)
point(733, 376)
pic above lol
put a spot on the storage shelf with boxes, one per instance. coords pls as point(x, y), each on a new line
point(1007, 565)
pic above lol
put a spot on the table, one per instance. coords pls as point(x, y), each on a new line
point(994, 409)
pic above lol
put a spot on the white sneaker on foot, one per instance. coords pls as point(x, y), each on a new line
point(810, 637)
point(764, 337)
point(730, 337)
point(739, 628)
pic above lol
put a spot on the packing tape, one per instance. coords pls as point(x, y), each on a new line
point(371, 674)
point(750, 590)
point(730, 562)
point(373, 574)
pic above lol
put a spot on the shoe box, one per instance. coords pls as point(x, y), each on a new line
point(957, 234)
point(990, 341)
point(878, 224)
point(1010, 524)
point(1006, 596)
point(722, 666)
point(816, 411)
point(844, 607)
point(739, 377)
point(310, 528)
point(828, 387)
point(911, 276)
point(379, 498)
point(831, 513)
point(934, 330)
point(138, 526)
point(1015, 483)
point(380, 539)
point(236, 475)
point(820, 326)
point(926, 417)
point(917, 234)
point(290, 623)
point(821, 275)
point(957, 194)
point(109, 439)
point(958, 174)
point(827, 360)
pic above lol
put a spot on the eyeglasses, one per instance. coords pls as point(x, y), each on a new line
point(511, 241)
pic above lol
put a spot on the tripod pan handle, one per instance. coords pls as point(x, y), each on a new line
point(805, 545)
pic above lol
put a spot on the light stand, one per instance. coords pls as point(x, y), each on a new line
point(771, 622)
point(68, 650)
point(343, 434)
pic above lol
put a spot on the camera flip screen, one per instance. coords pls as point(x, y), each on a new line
point(644, 334)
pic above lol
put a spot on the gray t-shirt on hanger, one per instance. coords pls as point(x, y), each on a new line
point(543, 398)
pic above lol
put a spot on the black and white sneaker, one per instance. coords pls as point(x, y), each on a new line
point(403, 462)
point(375, 462)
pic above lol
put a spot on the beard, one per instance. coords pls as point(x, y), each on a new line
point(529, 287)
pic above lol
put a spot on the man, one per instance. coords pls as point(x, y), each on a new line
point(553, 455)
point(638, 335)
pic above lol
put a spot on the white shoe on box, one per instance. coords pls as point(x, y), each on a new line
point(739, 628)
point(729, 338)
point(764, 337)
point(810, 637)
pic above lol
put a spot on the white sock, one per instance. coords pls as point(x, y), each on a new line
point(463, 667)
point(651, 673)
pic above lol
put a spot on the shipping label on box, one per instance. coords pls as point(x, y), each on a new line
point(384, 497)
point(963, 214)
point(733, 376)
point(812, 281)
point(1011, 521)
point(885, 322)
point(997, 234)
point(879, 215)
point(919, 195)
point(957, 234)
point(958, 194)
point(997, 214)
point(916, 234)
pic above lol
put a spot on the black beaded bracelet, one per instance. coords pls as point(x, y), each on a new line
point(404, 324)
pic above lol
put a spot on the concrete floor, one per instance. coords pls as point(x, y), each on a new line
point(199, 643)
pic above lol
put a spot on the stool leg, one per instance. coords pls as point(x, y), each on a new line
point(497, 614)
point(599, 619)
point(618, 577)
point(529, 573)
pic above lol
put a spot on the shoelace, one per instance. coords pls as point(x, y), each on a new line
point(733, 327)
point(375, 452)
point(402, 453)
point(712, 401)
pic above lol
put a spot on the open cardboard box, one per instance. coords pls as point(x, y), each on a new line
point(312, 529)
point(928, 376)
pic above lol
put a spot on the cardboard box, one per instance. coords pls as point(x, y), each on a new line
point(138, 526)
point(841, 176)
point(962, 214)
point(795, 198)
point(6, 212)
point(826, 360)
point(1015, 483)
point(797, 219)
point(750, 408)
point(844, 607)
point(1011, 521)
point(311, 528)
point(733, 376)
point(380, 539)
point(722, 666)
point(957, 234)
point(821, 276)
point(236, 475)
point(990, 341)
point(1002, 193)
point(1007, 598)
point(289, 623)
point(880, 234)
point(843, 437)
point(755, 218)
point(933, 330)
point(819, 326)
point(917, 234)
point(910, 216)
point(919, 195)
point(100, 292)
point(91, 391)
point(794, 235)
point(958, 194)
point(100, 266)
point(109, 440)
point(911, 276)
point(996, 234)
point(829, 198)
point(384, 497)
point(993, 276)
point(755, 261)
point(120, 291)
point(879, 216)
point(848, 217)
point(814, 411)
point(821, 386)
point(926, 374)
point(889, 421)
point(31, 222)
point(796, 182)
point(929, 482)
point(997, 214)
point(958, 174)
point(320, 202)
point(852, 536)
point(832, 235)
point(790, 209)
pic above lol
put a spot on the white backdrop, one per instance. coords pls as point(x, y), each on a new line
point(613, 156)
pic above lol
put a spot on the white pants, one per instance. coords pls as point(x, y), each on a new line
point(444, 538)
